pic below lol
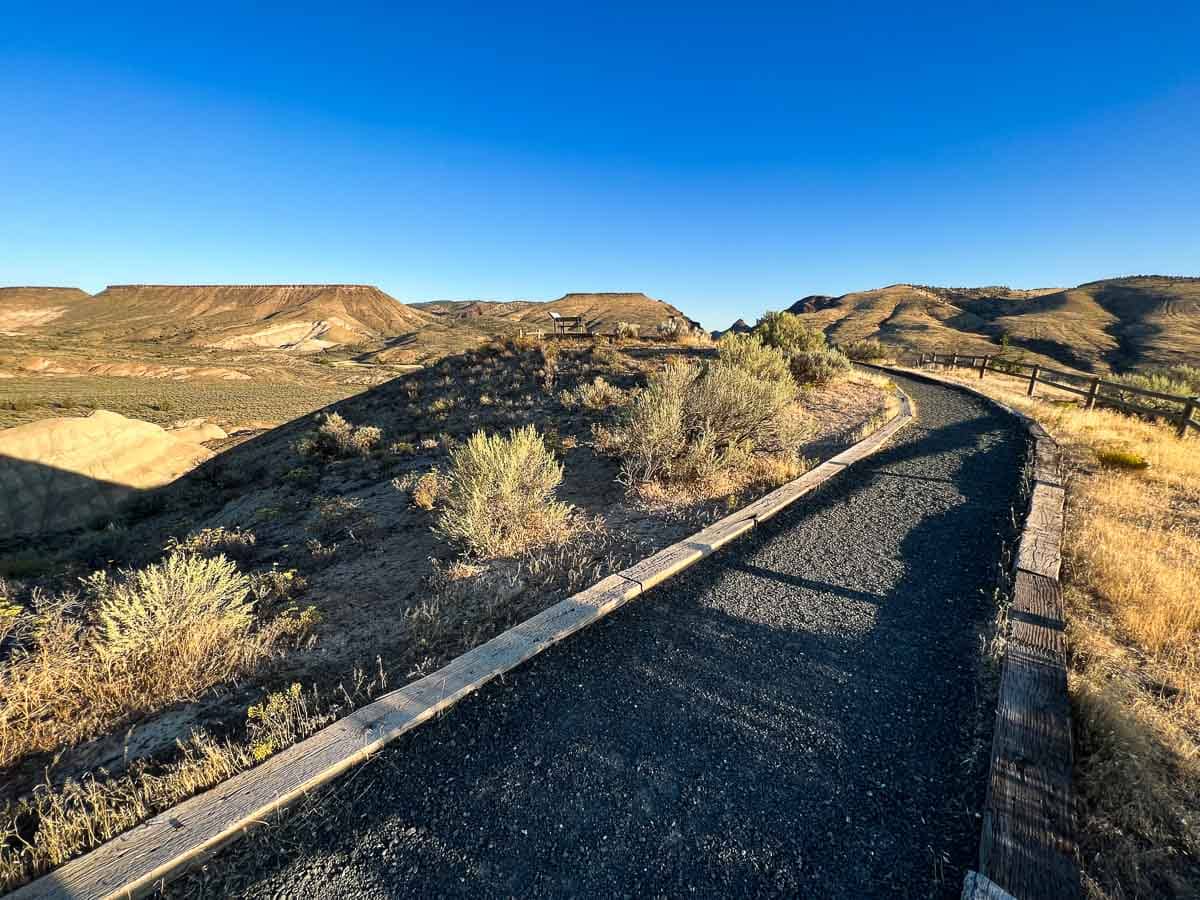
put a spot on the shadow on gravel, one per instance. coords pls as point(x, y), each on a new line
point(798, 715)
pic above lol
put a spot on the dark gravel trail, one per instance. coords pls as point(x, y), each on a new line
point(799, 715)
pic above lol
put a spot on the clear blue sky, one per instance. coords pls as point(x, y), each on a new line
point(727, 158)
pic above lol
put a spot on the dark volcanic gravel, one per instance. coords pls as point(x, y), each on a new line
point(795, 716)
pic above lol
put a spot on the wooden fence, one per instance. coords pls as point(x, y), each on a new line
point(1094, 389)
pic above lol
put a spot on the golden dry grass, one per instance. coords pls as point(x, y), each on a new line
point(85, 664)
point(82, 814)
point(1132, 584)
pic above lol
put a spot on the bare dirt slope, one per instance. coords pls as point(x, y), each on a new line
point(1100, 326)
point(64, 473)
point(29, 308)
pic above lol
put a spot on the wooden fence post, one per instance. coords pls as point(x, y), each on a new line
point(1093, 389)
point(1033, 379)
point(983, 368)
point(1185, 417)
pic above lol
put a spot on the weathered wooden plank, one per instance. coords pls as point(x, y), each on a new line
point(136, 862)
point(1036, 622)
point(1047, 461)
point(1058, 385)
point(782, 497)
point(978, 887)
point(1027, 846)
point(1040, 547)
point(665, 563)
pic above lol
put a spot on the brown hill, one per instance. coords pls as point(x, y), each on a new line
point(1099, 326)
point(602, 311)
point(25, 309)
point(302, 317)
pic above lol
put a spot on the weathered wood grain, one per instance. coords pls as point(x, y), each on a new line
point(1040, 547)
point(1036, 621)
point(134, 863)
point(1027, 846)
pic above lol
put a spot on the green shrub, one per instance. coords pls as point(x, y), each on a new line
point(819, 366)
point(692, 423)
point(499, 495)
point(867, 349)
point(165, 603)
point(335, 438)
point(1120, 458)
point(746, 351)
point(788, 332)
point(1179, 380)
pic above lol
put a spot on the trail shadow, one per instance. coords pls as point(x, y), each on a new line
point(794, 716)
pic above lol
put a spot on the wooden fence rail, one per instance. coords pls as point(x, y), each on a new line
point(1094, 389)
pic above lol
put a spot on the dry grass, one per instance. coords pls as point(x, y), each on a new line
point(30, 398)
point(84, 664)
point(1132, 584)
point(57, 823)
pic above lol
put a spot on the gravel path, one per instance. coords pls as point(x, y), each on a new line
point(799, 715)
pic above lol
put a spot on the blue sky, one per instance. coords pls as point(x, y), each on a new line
point(727, 158)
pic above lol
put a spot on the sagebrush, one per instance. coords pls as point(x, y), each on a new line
point(499, 494)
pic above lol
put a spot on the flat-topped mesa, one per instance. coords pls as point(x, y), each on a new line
point(299, 317)
point(301, 285)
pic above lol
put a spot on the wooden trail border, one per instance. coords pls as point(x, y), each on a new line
point(1027, 845)
point(175, 840)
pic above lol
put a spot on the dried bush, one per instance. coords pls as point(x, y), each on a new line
point(788, 332)
point(692, 424)
point(819, 366)
point(599, 394)
point(427, 489)
point(499, 497)
point(626, 330)
point(335, 438)
point(232, 542)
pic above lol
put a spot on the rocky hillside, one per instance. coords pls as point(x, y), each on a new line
point(1100, 326)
